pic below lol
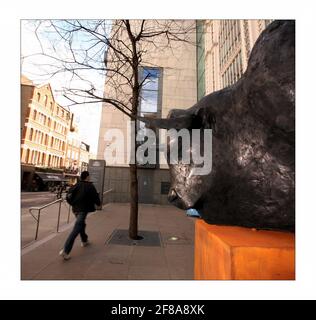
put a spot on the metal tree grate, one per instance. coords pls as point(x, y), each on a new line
point(148, 238)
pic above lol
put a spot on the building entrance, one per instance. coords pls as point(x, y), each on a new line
point(146, 186)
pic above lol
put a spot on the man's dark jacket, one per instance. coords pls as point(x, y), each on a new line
point(85, 197)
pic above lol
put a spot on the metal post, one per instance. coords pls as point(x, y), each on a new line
point(68, 213)
point(106, 192)
point(58, 216)
point(38, 221)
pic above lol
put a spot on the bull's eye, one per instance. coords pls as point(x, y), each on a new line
point(197, 122)
point(204, 119)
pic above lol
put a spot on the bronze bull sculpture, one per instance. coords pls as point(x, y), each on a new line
point(252, 181)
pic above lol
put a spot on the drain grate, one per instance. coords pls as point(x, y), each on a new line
point(147, 238)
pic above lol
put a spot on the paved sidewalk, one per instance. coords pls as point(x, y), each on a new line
point(172, 259)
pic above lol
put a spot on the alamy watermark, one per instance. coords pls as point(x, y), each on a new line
point(186, 146)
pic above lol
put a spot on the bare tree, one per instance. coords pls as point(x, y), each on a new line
point(115, 49)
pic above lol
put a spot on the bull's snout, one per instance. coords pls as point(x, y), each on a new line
point(177, 200)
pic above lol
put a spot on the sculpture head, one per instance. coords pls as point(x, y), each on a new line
point(251, 183)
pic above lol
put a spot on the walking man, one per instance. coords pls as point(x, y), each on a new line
point(82, 197)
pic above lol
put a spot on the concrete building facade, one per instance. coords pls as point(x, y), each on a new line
point(172, 73)
point(224, 47)
point(216, 57)
point(84, 156)
point(72, 157)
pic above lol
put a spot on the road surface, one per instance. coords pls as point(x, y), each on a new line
point(35, 199)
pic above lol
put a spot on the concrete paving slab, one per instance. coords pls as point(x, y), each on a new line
point(148, 273)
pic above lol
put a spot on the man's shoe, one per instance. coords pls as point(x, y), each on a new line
point(64, 255)
point(86, 243)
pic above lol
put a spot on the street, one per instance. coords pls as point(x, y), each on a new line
point(34, 199)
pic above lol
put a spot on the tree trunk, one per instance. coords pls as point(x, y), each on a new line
point(133, 224)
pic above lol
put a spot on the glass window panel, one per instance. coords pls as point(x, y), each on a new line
point(149, 101)
point(152, 78)
point(142, 128)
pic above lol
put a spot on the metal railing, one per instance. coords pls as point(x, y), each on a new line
point(39, 209)
point(106, 192)
point(59, 200)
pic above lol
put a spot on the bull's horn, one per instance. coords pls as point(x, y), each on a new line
point(175, 120)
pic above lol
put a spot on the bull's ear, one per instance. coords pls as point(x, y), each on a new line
point(177, 119)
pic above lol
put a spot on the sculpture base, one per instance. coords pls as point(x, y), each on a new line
point(235, 253)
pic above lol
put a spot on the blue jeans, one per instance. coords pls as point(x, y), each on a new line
point(79, 228)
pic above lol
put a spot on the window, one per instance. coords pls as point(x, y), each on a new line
point(213, 72)
point(45, 100)
point(200, 62)
point(229, 39)
point(212, 33)
point(149, 100)
point(150, 88)
point(233, 72)
point(149, 95)
point(27, 156)
point(38, 97)
point(34, 114)
point(31, 134)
